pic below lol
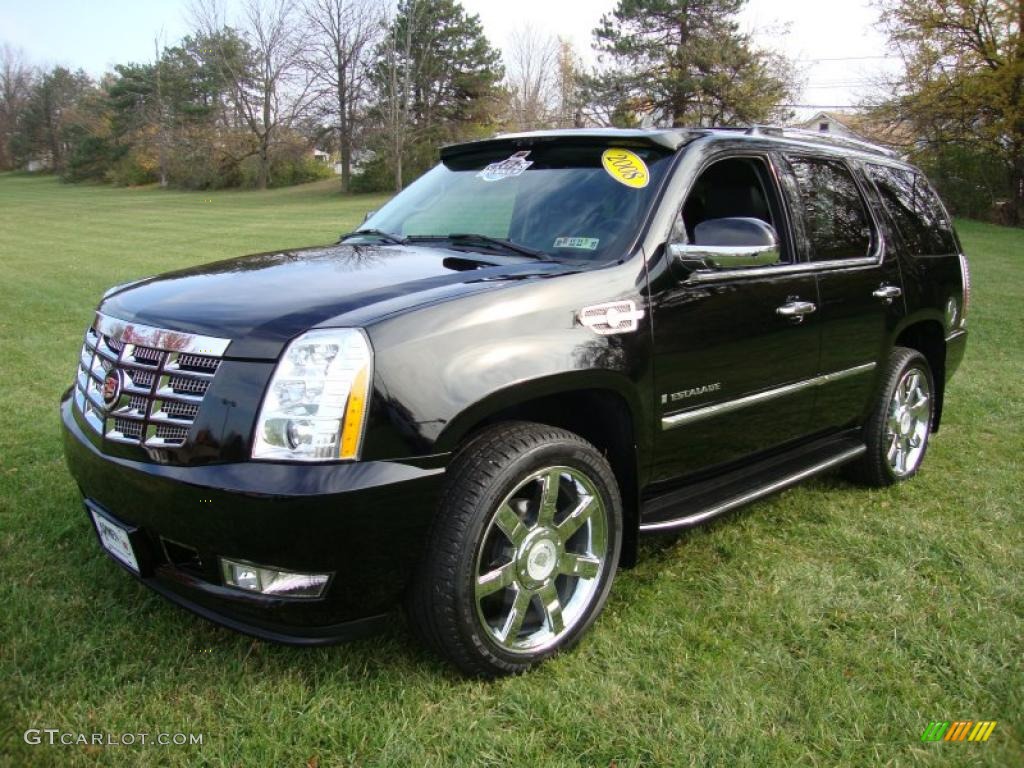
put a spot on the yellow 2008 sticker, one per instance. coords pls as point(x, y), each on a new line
point(626, 167)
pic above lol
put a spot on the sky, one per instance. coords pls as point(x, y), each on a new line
point(835, 43)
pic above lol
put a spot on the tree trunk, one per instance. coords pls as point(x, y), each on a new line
point(263, 175)
point(344, 131)
point(398, 169)
point(1017, 191)
point(346, 160)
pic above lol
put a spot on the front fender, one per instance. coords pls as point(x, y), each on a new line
point(525, 392)
point(443, 369)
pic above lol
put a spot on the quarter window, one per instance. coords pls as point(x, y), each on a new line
point(835, 219)
point(915, 210)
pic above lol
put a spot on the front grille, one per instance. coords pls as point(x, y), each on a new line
point(162, 378)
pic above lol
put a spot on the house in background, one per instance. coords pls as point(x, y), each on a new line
point(857, 125)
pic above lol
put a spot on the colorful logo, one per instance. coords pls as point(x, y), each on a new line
point(112, 386)
point(961, 730)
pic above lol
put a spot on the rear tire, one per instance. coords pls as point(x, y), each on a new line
point(896, 433)
point(523, 551)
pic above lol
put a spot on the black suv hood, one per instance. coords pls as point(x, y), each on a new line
point(262, 301)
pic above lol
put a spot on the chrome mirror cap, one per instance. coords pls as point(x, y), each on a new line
point(728, 243)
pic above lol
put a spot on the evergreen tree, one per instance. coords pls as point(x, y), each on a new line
point(684, 62)
point(50, 118)
point(438, 80)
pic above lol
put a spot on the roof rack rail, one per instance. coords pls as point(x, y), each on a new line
point(817, 136)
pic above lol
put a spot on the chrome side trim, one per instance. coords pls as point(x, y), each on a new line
point(160, 338)
point(697, 414)
point(783, 269)
point(955, 335)
point(757, 493)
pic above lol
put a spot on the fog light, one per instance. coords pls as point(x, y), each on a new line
point(268, 581)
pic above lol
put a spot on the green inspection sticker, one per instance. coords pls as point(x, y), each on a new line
point(579, 243)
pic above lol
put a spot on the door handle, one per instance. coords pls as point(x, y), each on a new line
point(888, 292)
point(795, 310)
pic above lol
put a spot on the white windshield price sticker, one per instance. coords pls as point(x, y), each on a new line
point(506, 169)
point(579, 243)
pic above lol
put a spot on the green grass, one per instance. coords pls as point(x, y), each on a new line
point(825, 626)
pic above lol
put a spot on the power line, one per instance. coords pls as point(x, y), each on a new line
point(850, 58)
point(855, 84)
point(828, 106)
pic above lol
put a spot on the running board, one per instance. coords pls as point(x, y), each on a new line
point(712, 498)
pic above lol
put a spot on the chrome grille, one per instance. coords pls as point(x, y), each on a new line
point(164, 377)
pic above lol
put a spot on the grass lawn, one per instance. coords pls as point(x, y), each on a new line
point(825, 626)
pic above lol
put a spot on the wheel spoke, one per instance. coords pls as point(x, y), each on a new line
point(496, 580)
point(550, 484)
point(577, 517)
point(514, 620)
point(584, 566)
point(893, 448)
point(920, 408)
point(552, 607)
point(913, 383)
point(510, 524)
point(901, 457)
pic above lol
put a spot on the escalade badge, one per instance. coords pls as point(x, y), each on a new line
point(112, 386)
point(613, 317)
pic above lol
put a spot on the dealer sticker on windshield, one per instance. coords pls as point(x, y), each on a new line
point(579, 243)
point(506, 169)
point(626, 167)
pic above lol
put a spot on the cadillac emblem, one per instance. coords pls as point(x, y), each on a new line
point(112, 386)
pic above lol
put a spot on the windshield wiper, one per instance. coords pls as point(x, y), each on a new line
point(468, 238)
point(387, 237)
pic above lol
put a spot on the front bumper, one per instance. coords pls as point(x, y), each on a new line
point(363, 522)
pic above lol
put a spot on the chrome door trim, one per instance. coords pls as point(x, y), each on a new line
point(802, 267)
point(698, 414)
point(757, 493)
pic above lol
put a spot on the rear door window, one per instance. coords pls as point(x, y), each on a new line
point(835, 217)
point(915, 210)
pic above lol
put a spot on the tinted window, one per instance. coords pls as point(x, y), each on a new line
point(835, 219)
point(915, 210)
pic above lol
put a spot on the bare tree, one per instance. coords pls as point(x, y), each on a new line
point(569, 85)
point(16, 79)
point(341, 37)
point(532, 73)
point(396, 63)
point(270, 88)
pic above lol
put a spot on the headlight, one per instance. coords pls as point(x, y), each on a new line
point(315, 407)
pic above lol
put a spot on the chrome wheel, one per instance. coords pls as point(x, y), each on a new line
point(541, 560)
point(910, 414)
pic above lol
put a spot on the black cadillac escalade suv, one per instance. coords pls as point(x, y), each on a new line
point(547, 345)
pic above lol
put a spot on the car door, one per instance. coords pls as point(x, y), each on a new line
point(859, 284)
point(730, 353)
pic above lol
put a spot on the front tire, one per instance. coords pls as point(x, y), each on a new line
point(522, 554)
point(897, 431)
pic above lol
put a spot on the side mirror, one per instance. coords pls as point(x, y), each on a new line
point(733, 243)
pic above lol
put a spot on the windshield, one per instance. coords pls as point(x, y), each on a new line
point(567, 201)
